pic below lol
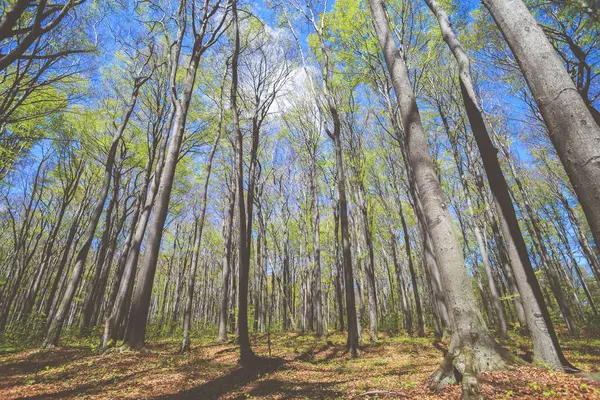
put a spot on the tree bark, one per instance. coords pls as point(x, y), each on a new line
point(469, 334)
point(571, 126)
point(140, 304)
point(59, 318)
point(546, 346)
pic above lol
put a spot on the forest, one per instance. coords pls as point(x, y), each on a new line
point(300, 199)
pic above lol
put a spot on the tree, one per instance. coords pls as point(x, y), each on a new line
point(467, 353)
point(141, 73)
point(571, 126)
point(546, 346)
point(202, 40)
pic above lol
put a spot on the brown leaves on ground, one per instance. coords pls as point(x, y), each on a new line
point(302, 367)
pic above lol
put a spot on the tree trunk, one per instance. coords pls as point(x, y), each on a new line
point(187, 316)
point(571, 126)
point(227, 261)
point(59, 318)
point(140, 304)
point(316, 246)
point(88, 305)
point(472, 348)
point(546, 346)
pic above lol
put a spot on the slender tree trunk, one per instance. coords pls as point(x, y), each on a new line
point(59, 318)
point(88, 306)
point(187, 316)
point(52, 298)
point(316, 246)
point(352, 343)
point(227, 261)
point(369, 262)
point(591, 258)
point(408, 318)
point(339, 267)
point(411, 269)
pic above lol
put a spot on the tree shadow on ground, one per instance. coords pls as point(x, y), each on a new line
point(86, 389)
point(234, 379)
point(38, 361)
point(267, 388)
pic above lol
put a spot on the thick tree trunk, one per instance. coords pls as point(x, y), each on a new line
point(546, 346)
point(481, 244)
point(472, 348)
point(138, 315)
point(571, 126)
point(146, 197)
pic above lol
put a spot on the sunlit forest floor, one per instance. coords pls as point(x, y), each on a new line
point(306, 367)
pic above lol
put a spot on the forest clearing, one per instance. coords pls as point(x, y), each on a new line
point(227, 199)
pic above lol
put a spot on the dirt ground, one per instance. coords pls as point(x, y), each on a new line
point(302, 367)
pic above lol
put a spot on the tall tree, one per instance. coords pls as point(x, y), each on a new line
point(142, 72)
point(546, 346)
point(571, 126)
point(204, 35)
point(469, 353)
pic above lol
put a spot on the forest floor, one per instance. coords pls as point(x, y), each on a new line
point(305, 367)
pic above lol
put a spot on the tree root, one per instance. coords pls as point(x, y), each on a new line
point(107, 348)
point(462, 364)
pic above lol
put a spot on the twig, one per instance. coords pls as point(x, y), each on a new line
point(379, 392)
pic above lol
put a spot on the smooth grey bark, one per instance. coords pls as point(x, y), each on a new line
point(551, 349)
point(140, 304)
point(227, 261)
point(546, 346)
point(187, 315)
point(146, 197)
point(571, 126)
point(481, 244)
point(59, 318)
point(428, 258)
point(472, 348)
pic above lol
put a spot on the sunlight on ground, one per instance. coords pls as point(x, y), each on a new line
point(393, 367)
